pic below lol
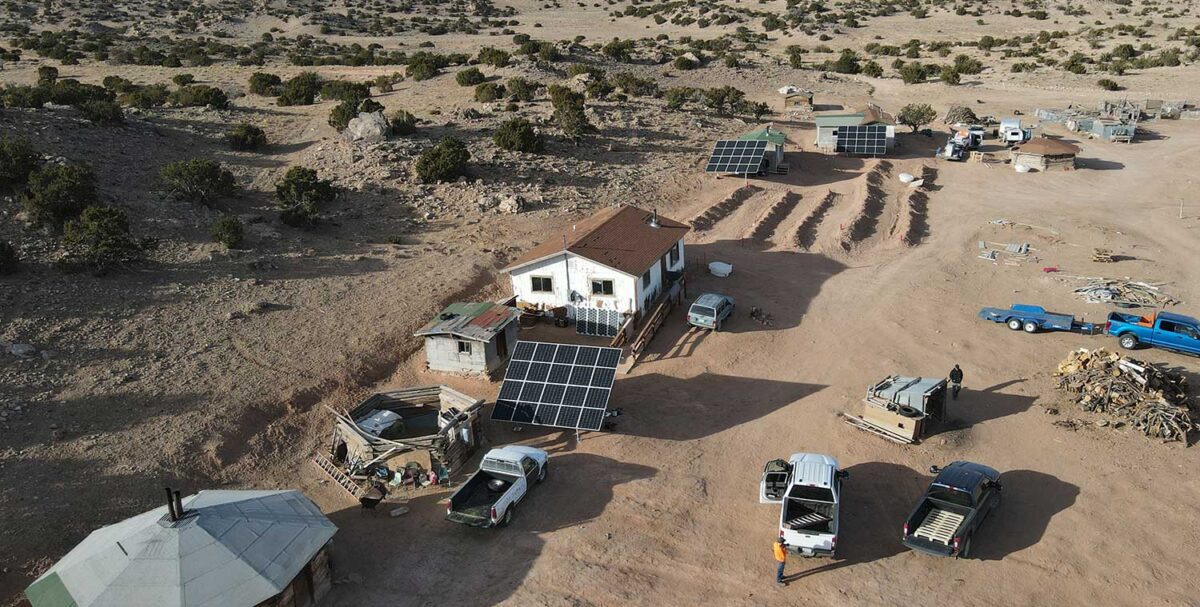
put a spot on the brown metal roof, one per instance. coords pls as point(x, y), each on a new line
point(619, 237)
point(1047, 147)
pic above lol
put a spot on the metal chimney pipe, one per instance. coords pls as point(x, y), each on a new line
point(171, 507)
point(178, 505)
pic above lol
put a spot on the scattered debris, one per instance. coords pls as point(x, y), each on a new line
point(1154, 400)
point(1128, 292)
point(762, 317)
point(1102, 256)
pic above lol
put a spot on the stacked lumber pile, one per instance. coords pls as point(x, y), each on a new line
point(1154, 400)
point(1124, 292)
point(1102, 256)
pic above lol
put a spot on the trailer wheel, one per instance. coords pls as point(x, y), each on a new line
point(1128, 341)
point(1030, 326)
point(1014, 324)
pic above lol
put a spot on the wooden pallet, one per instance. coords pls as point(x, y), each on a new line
point(867, 426)
point(939, 526)
point(339, 477)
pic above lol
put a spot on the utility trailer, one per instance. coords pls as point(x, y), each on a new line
point(901, 409)
point(1036, 318)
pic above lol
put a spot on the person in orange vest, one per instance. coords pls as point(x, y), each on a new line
point(780, 548)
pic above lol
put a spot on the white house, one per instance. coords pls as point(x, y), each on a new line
point(614, 263)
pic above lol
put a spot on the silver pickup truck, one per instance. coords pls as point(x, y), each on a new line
point(489, 497)
point(808, 488)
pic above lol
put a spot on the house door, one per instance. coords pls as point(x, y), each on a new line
point(502, 345)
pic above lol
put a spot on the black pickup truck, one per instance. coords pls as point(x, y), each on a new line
point(952, 509)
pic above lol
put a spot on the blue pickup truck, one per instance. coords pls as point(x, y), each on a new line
point(1163, 330)
point(1035, 318)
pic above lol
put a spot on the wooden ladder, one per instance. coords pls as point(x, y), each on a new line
point(337, 475)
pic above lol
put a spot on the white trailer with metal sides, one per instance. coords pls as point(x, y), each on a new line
point(808, 488)
point(1011, 132)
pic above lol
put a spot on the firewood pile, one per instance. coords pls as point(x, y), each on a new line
point(1153, 400)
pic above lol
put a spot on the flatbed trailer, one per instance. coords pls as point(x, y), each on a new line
point(1036, 318)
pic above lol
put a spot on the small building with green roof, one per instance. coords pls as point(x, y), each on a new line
point(775, 144)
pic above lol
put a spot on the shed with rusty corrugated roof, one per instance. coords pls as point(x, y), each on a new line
point(470, 337)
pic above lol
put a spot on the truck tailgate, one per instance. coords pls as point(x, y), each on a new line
point(469, 517)
point(939, 526)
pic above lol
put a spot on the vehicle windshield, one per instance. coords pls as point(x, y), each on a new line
point(703, 311)
point(951, 496)
point(812, 494)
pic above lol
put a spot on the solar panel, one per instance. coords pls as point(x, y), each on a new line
point(868, 140)
point(559, 385)
point(735, 157)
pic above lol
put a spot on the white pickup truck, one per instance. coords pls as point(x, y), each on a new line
point(490, 496)
point(808, 488)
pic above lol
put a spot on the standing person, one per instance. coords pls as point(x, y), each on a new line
point(956, 377)
point(780, 548)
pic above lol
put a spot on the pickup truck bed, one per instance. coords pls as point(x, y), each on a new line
point(475, 499)
point(939, 526)
point(809, 516)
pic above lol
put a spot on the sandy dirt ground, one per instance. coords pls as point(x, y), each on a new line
point(153, 382)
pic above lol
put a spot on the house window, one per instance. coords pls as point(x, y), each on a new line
point(542, 284)
point(674, 254)
point(646, 279)
point(602, 287)
point(464, 347)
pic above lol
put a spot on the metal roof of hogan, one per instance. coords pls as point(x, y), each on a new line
point(475, 321)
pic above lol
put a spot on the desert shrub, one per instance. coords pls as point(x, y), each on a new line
point(949, 75)
point(100, 239)
point(1108, 84)
point(199, 180)
point(57, 193)
point(795, 55)
point(47, 75)
point(183, 79)
point(846, 63)
point(684, 63)
point(522, 89)
point(598, 89)
point(199, 95)
point(102, 112)
point(342, 113)
point(964, 64)
point(25, 96)
point(370, 105)
point(518, 135)
point(228, 231)
point(569, 112)
point(299, 195)
point(493, 57)
point(678, 97)
point(146, 97)
point(245, 136)
point(424, 65)
point(961, 114)
point(301, 89)
point(344, 90)
point(619, 50)
point(872, 69)
point(633, 85)
point(469, 77)
point(916, 115)
point(725, 99)
point(118, 84)
point(443, 162)
point(913, 73)
point(8, 258)
point(488, 91)
point(262, 83)
point(17, 160)
point(72, 92)
point(403, 123)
